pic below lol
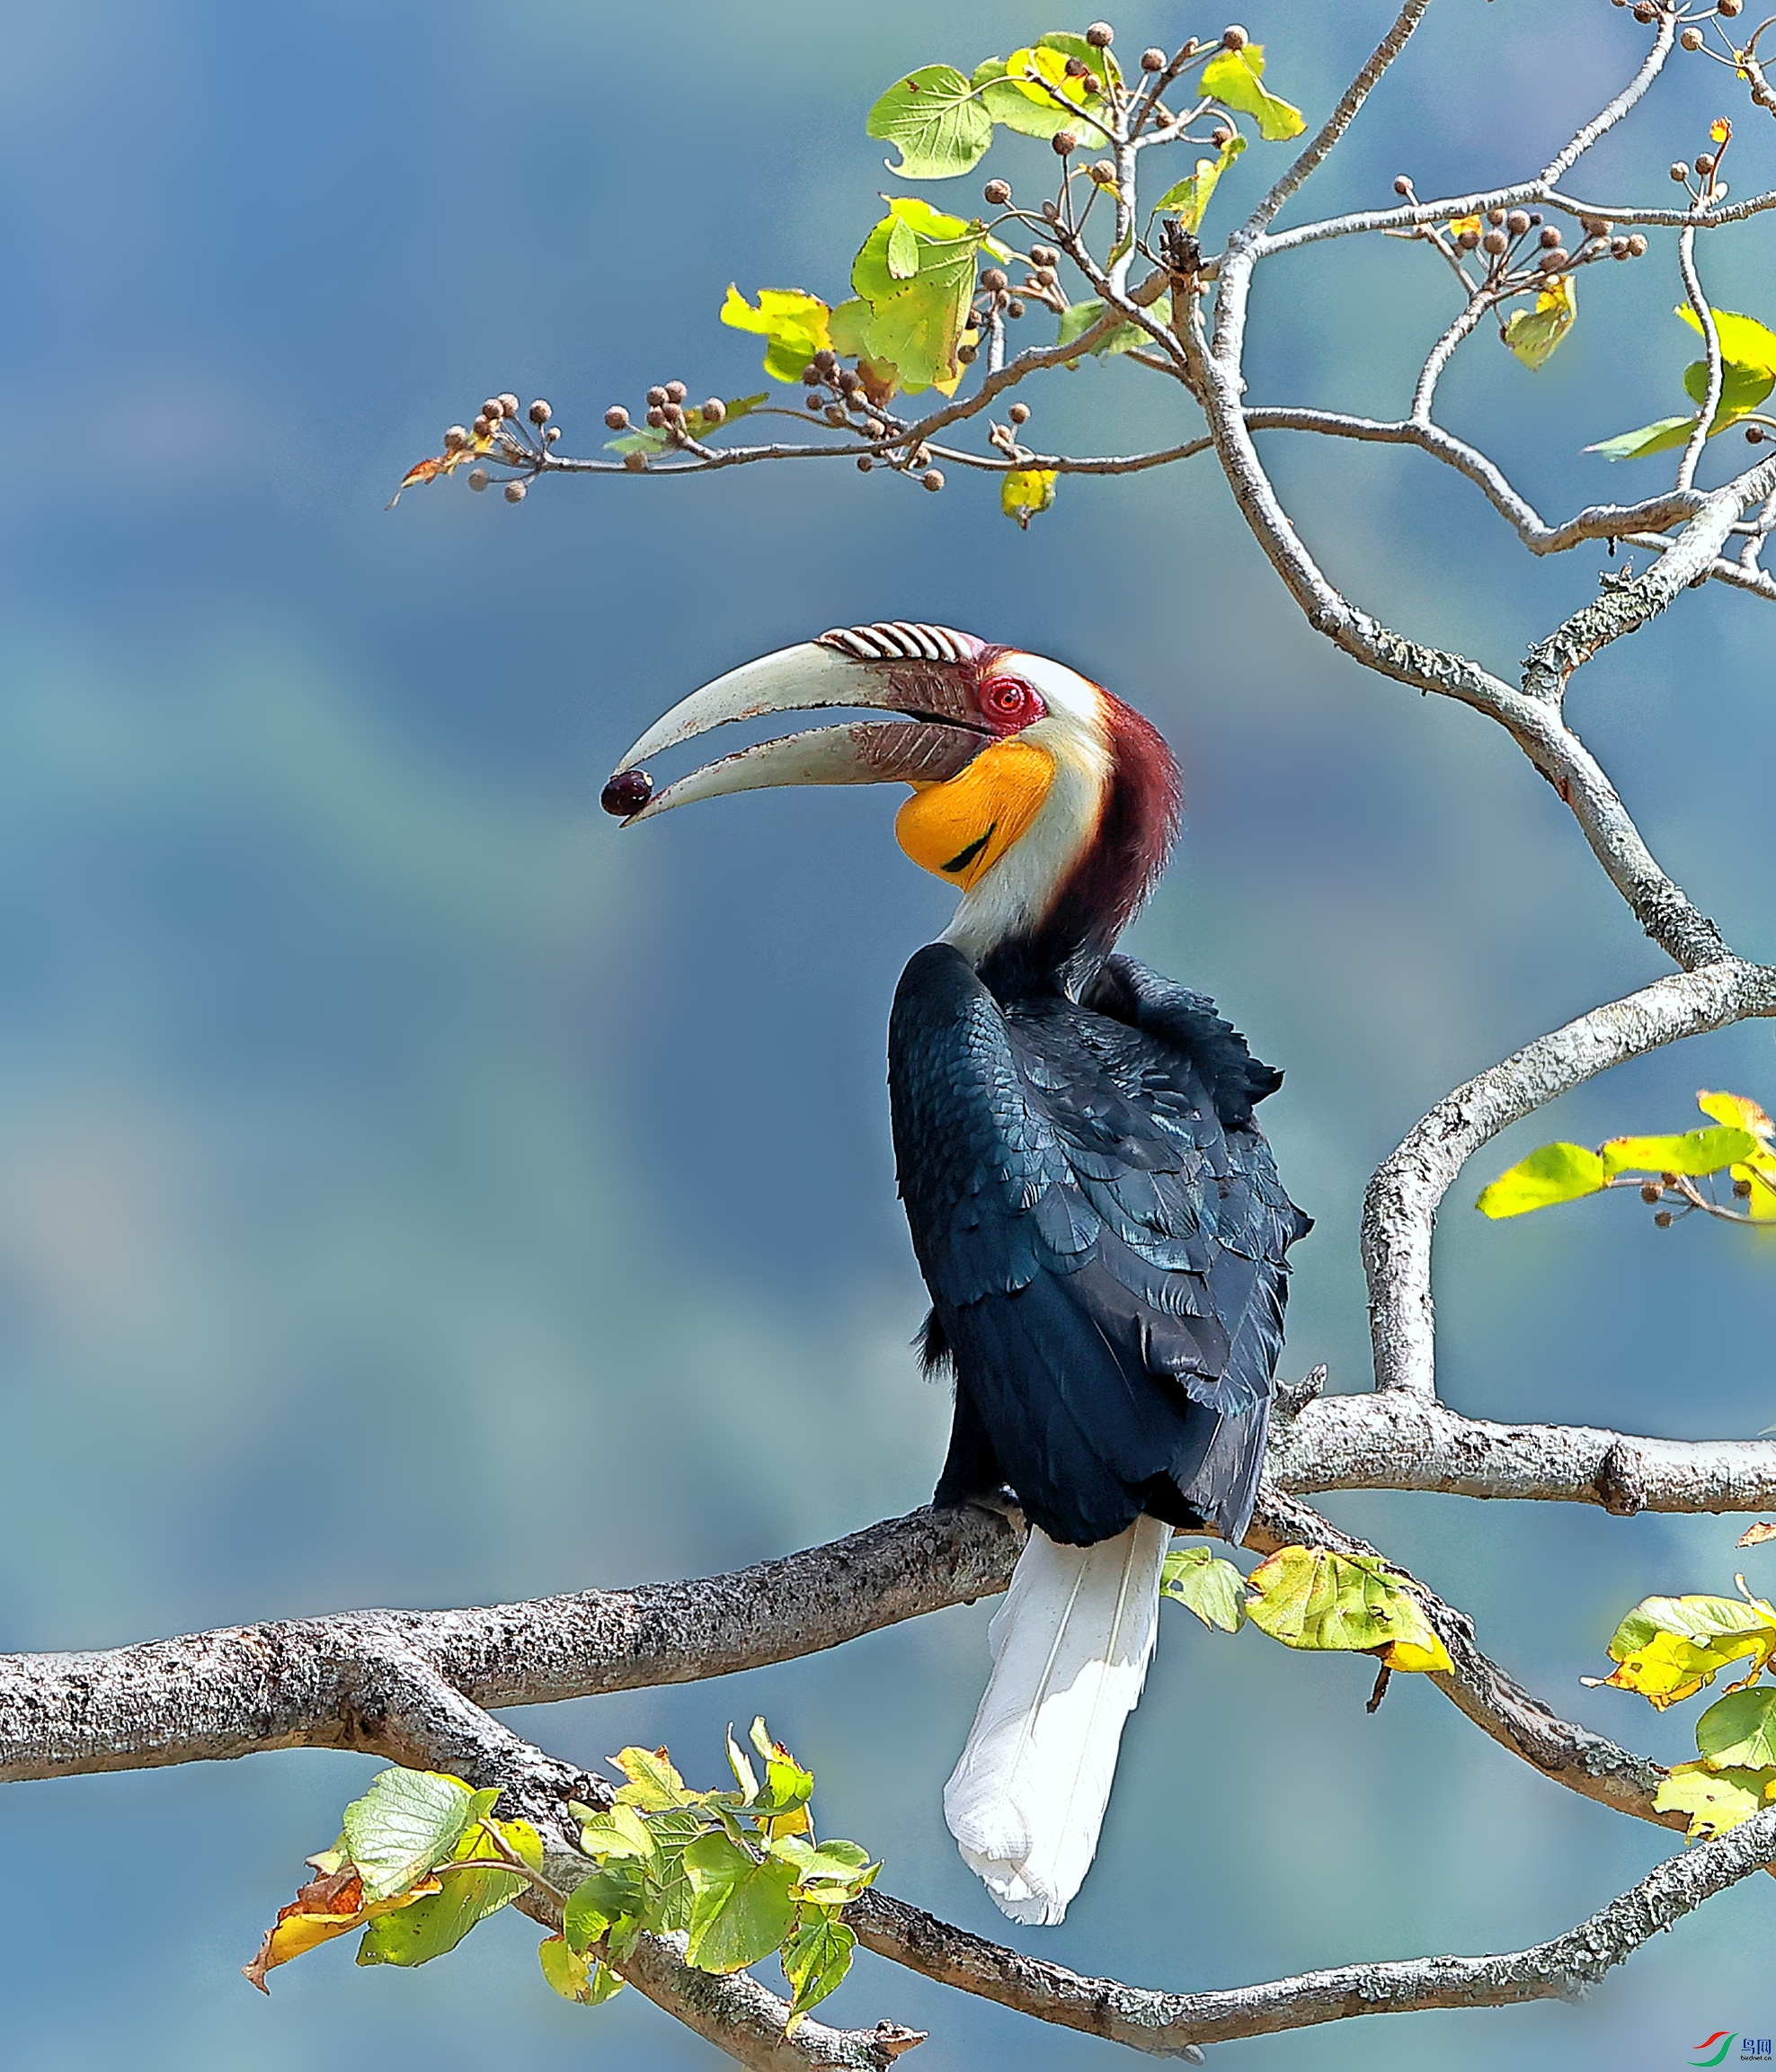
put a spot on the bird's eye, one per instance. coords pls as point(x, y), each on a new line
point(1007, 701)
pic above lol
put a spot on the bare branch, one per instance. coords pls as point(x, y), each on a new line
point(1564, 161)
point(1166, 2024)
point(1341, 118)
point(1400, 1203)
point(1704, 314)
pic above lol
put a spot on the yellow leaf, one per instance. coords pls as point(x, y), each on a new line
point(1533, 335)
point(1034, 70)
point(1720, 129)
point(330, 1905)
point(1309, 1599)
point(1737, 1112)
point(1024, 492)
point(1715, 1800)
point(1458, 224)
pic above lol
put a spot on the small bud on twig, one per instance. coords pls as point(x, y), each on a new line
point(1402, 185)
point(676, 392)
point(1495, 243)
point(478, 478)
point(1637, 246)
point(715, 409)
point(932, 478)
point(1662, 1219)
point(1234, 37)
point(1014, 308)
point(634, 462)
point(539, 412)
point(454, 438)
point(1153, 60)
point(1100, 35)
point(1650, 1194)
point(514, 492)
point(655, 397)
point(1553, 261)
point(1019, 414)
point(1727, 7)
point(993, 279)
point(509, 404)
point(1679, 172)
point(1517, 222)
point(864, 463)
point(617, 417)
point(997, 193)
point(1065, 144)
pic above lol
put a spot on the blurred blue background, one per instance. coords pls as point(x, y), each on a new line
point(376, 1125)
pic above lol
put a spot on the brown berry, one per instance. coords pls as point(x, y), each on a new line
point(1619, 248)
point(1153, 60)
point(657, 415)
point(551, 435)
point(1076, 68)
point(932, 478)
point(634, 462)
point(811, 376)
point(715, 409)
point(1644, 10)
point(1495, 242)
point(1552, 262)
point(966, 354)
point(676, 392)
point(478, 479)
point(1470, 239)
point(1064, 143)
point(826, 359)
point(1692, 39)
point(1705, 162)
point(1743, 1188)
point(483, 426)
point(1637, 246)
point(1234, 37)
point(1100, 35)
point(1221, 137)
point(1679, 172)
point(539, 412)
point(628, 792)
point(514, 492)
point(656, 397)
point(1650, 1194)
point(1593, 227)
point(1402, 185)
point(1051, 211)
point(993, 279)
point(509, 405)
point(997, 193)
point(1728, 7)
point(1662, 1219)
point(1014, 308)
point(1549, 239)
point(494, 407)
point(1093, 83)
point(864, 464)
point(1755, 435)
point(617, 417)
point(1044, 255)
point(1517, 222)
point(1495, 217)
point(454, 437)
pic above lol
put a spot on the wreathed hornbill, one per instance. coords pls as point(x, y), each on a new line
point(1096, 1214)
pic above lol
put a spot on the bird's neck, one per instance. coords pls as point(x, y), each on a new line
point(1045, 918)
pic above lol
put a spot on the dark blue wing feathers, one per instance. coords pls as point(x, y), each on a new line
point(1101, 1227)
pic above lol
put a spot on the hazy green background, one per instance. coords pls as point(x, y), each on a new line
point(412, 1192)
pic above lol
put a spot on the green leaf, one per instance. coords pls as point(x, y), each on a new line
point(1189, 199)
point(1742, 388)
point(669, 1888)
point(1203, 1583)
point(1695, 1151)
point(1659, 437)
point(1533, 335)
point(793, 321)
point(1715, 1800)
point(1028, 109)
point(603, 1901)
point(741, 1908)
point(1554, 1173)
point(1309, 1599)
point(433, 1926)
point(1236, 79)
point(573, 1978)
point(1744, 340)
point(787, 1785)
point(830, 1873)
point(408, 1821)
point(1739, 1732)
point(815, 1960)
point(1668, 1647)
point(621, 1832)
point(1079, 317)
point(1024, 492)
point(937, 121)
point(916, 323)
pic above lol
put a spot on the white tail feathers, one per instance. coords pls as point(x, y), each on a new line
point(1070, 1648)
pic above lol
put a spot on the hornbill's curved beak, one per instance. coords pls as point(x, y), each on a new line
point(940, 734)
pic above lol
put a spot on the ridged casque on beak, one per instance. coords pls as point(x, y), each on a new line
point(922, 673)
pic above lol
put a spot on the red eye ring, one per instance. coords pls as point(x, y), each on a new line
point(1008, 702)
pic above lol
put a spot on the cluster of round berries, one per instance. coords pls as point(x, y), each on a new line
point(666, 411)
point(501, 420)
point(839, 395)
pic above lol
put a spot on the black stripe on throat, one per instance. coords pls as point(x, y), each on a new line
point(967, 855)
